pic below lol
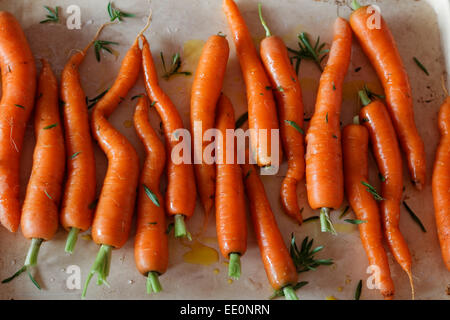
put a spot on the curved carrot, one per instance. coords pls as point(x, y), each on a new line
point(379, 46)
point(17, 102)
point(387, 155)
point(290, 111)
point(231, 219)
point(181, 193)
point(324, 176)
point(151, 251)
point(39, 220)
point(355, 140)
point(280, 269)
point(262, 113)
point(441, 182)
point(206, 90)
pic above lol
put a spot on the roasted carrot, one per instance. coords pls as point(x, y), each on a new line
point(39, 220)
point(151, 251)
point(355, 140)
point(275, 57)
point(387, 155)
point(278, 264)
point(17, 102)
point(181, 191)
point(231, 219)
point(324, 176)
point(379, 45)
point(205, 93)
point(262, 113)
point(441, 182)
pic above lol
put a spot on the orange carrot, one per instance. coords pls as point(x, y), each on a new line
point(355, 140)
point(262, 112)
point(39, 218)
point(151, 251)
point(324, 176)
point(231, 220)
point(290, 112)
point(181, 193)
point(206, 89)
point(17, 102)
point(379, 46)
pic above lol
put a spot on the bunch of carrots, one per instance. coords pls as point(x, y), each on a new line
point(332, 161)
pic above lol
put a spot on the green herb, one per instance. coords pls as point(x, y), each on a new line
point(280, 292)
point(280, 88)
point(355, 221)
point(151, 195)
point(382, 178)
point(295, 126)
point(174, 68)
point(313, 218)
point(334, 87)
point(308, 52)
point(268, 88)
point(372, 94)
point(93, 204)
point(421, 66)
point(9, 69)
point(137, 96)
point(304, 259)
point(50, 126)
point(358, 69)
point(153, 103)
point(241, 120)
point(75, 154)
point(117, 14)
point(334, 136)
point(93, 101)
point(373, 191)
point(326, 118)
point(170, 227)
point(102, 45)
point(52, 15)
point(247, 174)
point(48, 196)
point(358, 290)
point(344, 212)
point(19, 106)
point(152, 223)
point(414, 217)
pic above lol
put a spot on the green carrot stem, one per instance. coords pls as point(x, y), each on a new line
point(356, 120)
point(355, 5)
point(180, 226)
point(100, 266)
point(268, 34)
point(364, 97)
point(234, 266)
point(289, 293)
point(325, 222)
point(71, 240)
point(153, 284)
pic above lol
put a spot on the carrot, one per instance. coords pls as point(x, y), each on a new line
point(441, 182)
point(262, 114)
point(206, 89)
point(39, 218)
point(231, 223)
point(387, 155)
point(275, 57)
point(17, 102)
point(112, 220)
point(79, 192)
point(278, 264)
point(324, 176)
point(150, 247)
point(379, 46)
point(181, 192)
point(355, 140)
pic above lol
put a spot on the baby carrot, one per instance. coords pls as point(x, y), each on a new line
point(205, 93)
point(17, 102)
point(262, 114)
point(151, 251)
point(181, 192)
point(231, 219)
point(290, 112)
point(39, 218)
point(324, 176)
point(379, 46)
point(355, 140)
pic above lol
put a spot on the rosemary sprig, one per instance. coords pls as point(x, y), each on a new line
point(295, 126)
point(73, 156)
point(91, 102)
point(241, 120)
point(151, 195)
point(117, 14)
point(52, 15)
point(421, 66)
point(414, 217)
point(358, 290)
point(102, 45)
point(372, 190)
point(50, 126)
point(344, 212)
point(372, 94)
point(304, 258)
point(174, 68)
point(308, 52)
point(355, 221)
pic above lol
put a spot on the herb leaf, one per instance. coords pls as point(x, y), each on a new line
point(355, 221)
point(312, 218)
point(73, 156)
point(358, 290)
point(421, 66)
point(344, 212)
point(52, 15)
point(19, 106)
point(151, 195)
point(93, 101)
point(295, 126)
point(304, 258)
point(414, 217)
point(174, 68)
point(373, 191)
point(48, 196)
point(50, 126)
point(102, 45)
point(308, 52)
point(241, 120)
point(117, 14)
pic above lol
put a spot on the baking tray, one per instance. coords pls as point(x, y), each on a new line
point(421, 29)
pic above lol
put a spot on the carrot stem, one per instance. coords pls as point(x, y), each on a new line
point(100, 266)
point(356, 119)
point(153, 284)
point(180, 226)
point(289, 293)
point(71, 240)
point(325, 222)
point(364, 97)
point(268, 34)
point(355, 5)
point(234, 266)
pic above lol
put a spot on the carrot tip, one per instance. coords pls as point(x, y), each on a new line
point(101, 266)
point(289, 293)
point(325, 222)
point(71, 240)
point(234, 266)
point(153, 284)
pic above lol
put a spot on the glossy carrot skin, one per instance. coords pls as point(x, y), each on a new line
point(387, 155)
point(40, 208)
point(379, 46)
point(231, 218)
point(18, 93)
point(280, 269)
point(80, 187)
point(441, 182)
point(205, 93)
point(112, 221)
point(355, 140)
point(324, 176)
point(262, 113)
point(151, 251)
point(290, 108)
point(181, 190)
